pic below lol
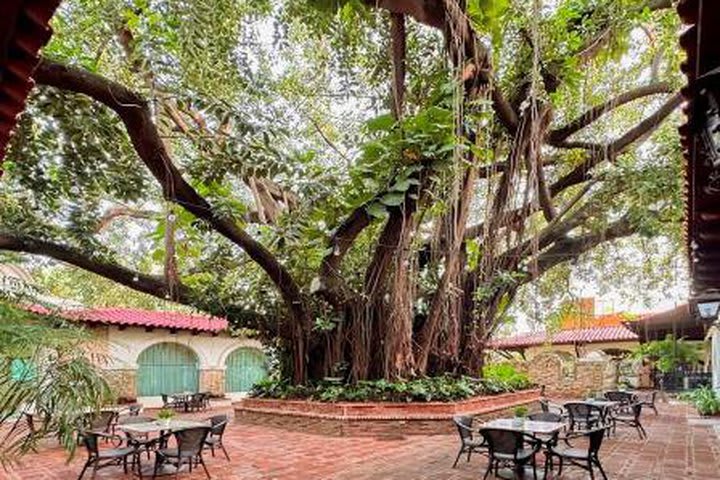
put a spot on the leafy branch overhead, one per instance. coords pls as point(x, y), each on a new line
point(368, 184)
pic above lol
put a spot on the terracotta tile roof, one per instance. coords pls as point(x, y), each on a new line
point(134, 317)
point(23, 31)
point(616, 333)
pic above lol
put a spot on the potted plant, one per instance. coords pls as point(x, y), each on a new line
point(521, 413)
point(165, 416)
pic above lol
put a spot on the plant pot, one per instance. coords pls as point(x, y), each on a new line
point(518, 422)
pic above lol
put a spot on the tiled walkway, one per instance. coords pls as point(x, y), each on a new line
point(679, 447)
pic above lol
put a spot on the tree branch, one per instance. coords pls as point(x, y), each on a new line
point(560, 134)
point(150, 284)
point(133, 110)
point(638, 133)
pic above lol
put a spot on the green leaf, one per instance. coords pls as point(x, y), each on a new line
point(393, 199)
point(377, 210)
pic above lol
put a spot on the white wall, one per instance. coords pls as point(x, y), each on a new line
point(126, 345)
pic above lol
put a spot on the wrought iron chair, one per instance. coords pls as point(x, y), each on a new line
point(585, 458)
point(510, 448)
point(584, 416)
point(101, 458)
point(624, 399)
point(190, 443)
point(170, 401)
point(546, 417)
point(134, 409)
point(196, 402)
point(468, 444)
point(547, 406)
point(648, 400)
point(631, 419)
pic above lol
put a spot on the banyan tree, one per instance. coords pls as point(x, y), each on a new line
point(366, 184)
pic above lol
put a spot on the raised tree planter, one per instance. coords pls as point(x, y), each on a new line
point(375, 418)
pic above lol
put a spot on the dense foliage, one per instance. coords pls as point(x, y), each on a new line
point(424, 389)
point(369, 185)
point(506, 374)
point(704, 399)
point(668, 354)
point(48, 368)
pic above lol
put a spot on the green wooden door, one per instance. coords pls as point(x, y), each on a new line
point(244, 368)
point(167, 368)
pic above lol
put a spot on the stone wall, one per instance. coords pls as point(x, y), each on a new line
point(213, 381)
point(123, 383)
point(565, 376)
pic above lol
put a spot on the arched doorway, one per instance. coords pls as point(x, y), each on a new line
point(244, 368)
point(167, 368)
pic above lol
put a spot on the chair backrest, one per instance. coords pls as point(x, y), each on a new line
point(546, 417)
point(580, 411)
point(464, 425)
point(637, 410)
point(595, 439)
point(218, 424)
point(508, 442)
point(164, 398)
point(134, 409)
point(190, 441)
point(90, 442)
point(625, 398)
point(544, 405)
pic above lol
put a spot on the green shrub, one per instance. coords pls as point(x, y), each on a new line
point(704, 399)
point(506, 376)
point(427, 389)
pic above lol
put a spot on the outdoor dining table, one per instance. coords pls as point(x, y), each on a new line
point(161, 426)
point(533, 427)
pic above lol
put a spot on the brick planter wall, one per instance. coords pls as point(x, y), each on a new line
point(375, 418)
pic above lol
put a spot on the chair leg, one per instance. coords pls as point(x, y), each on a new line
point(469, 453)
point(82, 472)
point(654, 409)
point(560, 466)
point(602, 472)
point(228, 456)
point(590, 469)
point(456, 458)
point(202, 462)
point(489, 469)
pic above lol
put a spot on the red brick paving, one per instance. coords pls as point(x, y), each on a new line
point(676, 449)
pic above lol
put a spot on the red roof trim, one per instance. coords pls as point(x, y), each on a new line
point(133, 317)
point(565, 337)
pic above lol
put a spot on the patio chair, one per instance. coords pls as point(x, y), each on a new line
point(206, 400)
point(196, 402)
point(584, 416)
point(546, 417)
point(648, 400)
point(585, 458)
point(170, 401)
point(190, 443)
point(468, 444)
point(510, 448)
point(141, 442)
point(134, 409)
point(547, 406)
point(624, 399)
point(631, 419)
point(215, 437)
point(101, 458)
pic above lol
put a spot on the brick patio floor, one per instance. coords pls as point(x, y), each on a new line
point(679, 447)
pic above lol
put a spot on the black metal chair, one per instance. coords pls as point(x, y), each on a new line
point(189, 448)
point(510, 448)
point(468, 444)
point(624, 399)
point(547, 406)
point(585, 458)
point(546, 417)
point(101, 458)
point(631, 419)
point(196, 402)
point(215, 437)
point(134, 409)
point(170, 401)
point(584, 416)
point(648, 400)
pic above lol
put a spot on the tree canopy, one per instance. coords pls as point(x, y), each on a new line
point(367, 184)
